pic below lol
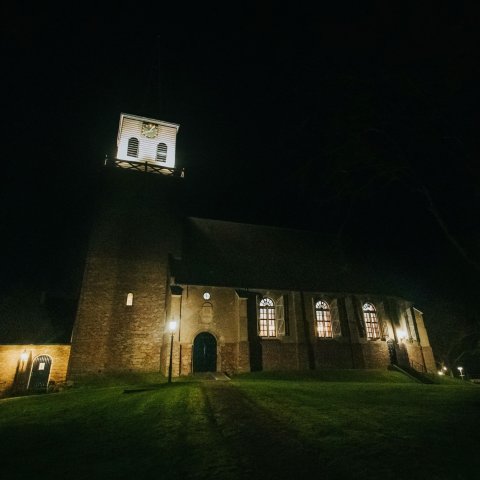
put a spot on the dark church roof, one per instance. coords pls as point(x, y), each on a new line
point(220, 253)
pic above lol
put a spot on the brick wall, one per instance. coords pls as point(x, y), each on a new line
point(111, 336)
point(332, 354)
point(375, 354)
point(229, 358)
point(186, 360)
point(243, 363)
point(14, 373)
point(279, 356)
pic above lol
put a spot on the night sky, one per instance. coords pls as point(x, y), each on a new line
point(356, 121)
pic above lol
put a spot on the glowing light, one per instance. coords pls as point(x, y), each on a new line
point(206, 296)
point(402, 334)
point(24, 356)
point(172, 325)
point(440, 372)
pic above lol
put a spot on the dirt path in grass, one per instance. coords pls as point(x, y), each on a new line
point(263, 446)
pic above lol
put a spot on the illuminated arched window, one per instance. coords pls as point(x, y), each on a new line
point(371, 321)
point(129, 300)
point(324, 321)
point(132, 147)
point(161, 152)
point(266, 318)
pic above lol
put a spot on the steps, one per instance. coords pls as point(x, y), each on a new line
point(412, 373)
point(217, 376)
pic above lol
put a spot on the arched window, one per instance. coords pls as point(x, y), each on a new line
point(371, 321)
point(161, 152)
point(129, 299)
point(132, 147)
point(323, 318)
point(266, 318)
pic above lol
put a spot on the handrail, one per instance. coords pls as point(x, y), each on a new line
point(144, 167)
point(418, 366)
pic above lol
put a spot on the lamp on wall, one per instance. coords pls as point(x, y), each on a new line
point(24, 356)
point(172, 326)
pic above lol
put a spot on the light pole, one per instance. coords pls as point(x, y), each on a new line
point(24, 356)
point(172, 325)
point(460, 369)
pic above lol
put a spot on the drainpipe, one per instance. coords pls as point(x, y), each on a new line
point(306, 330)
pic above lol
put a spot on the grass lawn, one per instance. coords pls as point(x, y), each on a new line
point(349, 424)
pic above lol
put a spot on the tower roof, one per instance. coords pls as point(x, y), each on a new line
point(146, 119)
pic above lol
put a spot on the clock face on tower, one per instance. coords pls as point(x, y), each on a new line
point(149, 130)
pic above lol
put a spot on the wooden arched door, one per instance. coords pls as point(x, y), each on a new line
point(205, 353)
point(40, 373)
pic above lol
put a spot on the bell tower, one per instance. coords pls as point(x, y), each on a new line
point(137, 226)
point(142, 139)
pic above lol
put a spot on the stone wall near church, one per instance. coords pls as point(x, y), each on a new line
point(14, 373)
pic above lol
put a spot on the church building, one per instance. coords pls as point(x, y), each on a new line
point(217, 296)
point(224, 296)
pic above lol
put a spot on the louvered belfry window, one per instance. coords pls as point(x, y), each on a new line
point(161, 152)
point(323, 318)
point(132, 147)
point(371, 321)
point(266, 318)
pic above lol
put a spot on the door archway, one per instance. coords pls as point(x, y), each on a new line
point(205, 353)
point(40, 373)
